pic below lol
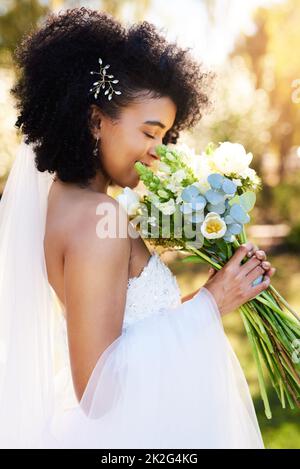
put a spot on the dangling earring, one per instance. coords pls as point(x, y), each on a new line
point(95, 151)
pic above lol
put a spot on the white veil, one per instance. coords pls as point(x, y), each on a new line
point(30, 335)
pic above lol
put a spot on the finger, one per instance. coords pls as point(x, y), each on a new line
point(271, 272)
point(241, 252)
point(257, 289)
point(261, 255)
point(266, 265)
point(249, 265)
point(211, 272)
point(255, 273)
point(252, 252)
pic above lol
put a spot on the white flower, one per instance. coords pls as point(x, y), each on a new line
point(152, 221)
point(175, 180)
point(250, 173)
point(200, 164)
point(153, 198)
point(231, 158)
point(179, 175)
point(187, 154)
point(213, 226)
point(162, 193)
point(178, 199)
point(167, 208)
point(129, 200)
point(165, 168)
point(203, 185)
point(238, 182)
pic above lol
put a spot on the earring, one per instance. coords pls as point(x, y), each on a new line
point(95, 151)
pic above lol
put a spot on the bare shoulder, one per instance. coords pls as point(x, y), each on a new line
point(95, 278)
point(99, 221)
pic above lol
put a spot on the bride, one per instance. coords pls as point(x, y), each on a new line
point(97, 347)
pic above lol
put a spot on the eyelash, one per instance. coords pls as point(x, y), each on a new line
point(149, 136)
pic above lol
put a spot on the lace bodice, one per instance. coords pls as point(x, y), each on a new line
point(153, 290)
point(150, 292)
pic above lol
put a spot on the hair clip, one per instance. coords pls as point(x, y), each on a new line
point(103, 82)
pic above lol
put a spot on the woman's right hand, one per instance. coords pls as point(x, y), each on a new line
point(232, 285)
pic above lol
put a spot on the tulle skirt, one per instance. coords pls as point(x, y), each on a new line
point(171, 380)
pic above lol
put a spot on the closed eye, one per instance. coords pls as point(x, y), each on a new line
point(147, 135)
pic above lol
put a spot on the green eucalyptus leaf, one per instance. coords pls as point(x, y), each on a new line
point(234, 200)
point(247, 200)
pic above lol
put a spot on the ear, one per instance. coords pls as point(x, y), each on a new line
point(95, 117)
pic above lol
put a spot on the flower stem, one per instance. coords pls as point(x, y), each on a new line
point(204, 256)
point(284, 302)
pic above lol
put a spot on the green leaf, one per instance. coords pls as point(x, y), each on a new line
point(222, 248)
point(234, 200)
point(210, 148)
point(247, 200)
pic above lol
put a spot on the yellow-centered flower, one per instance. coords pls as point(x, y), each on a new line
point(213, 226)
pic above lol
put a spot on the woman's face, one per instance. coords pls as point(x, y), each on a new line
point(140, 128)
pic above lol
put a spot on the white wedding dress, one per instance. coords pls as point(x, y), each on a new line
point(171, 380)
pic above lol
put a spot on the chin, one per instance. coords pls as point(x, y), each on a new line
point(131, 183)
point(135, 183)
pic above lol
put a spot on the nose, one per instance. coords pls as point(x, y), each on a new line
point(154, 157)
point(153, 153)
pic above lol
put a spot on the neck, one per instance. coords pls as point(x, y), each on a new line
point(98, 184)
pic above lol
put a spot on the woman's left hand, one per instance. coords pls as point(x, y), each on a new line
point(261, 256)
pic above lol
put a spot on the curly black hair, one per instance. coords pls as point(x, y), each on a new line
point(54, 81)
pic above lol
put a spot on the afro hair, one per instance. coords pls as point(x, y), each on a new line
point(52, 90)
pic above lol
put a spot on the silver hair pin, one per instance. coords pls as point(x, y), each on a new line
point(104, 81)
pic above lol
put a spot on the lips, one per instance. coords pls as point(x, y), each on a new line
point(154, 160)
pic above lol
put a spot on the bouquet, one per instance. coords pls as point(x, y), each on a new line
point(200, 204)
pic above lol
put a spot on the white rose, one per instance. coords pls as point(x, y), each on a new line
point(250, 173)
point(231, 158)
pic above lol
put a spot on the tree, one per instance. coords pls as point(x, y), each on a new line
point(20, 17)
point(271, 53)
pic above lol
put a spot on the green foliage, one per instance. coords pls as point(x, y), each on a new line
point(293, 238)
point(194, 259)
point(286, 198)
point(20, 17)
point(283, 430)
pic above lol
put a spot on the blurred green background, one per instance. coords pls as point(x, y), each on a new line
point(254, 48)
